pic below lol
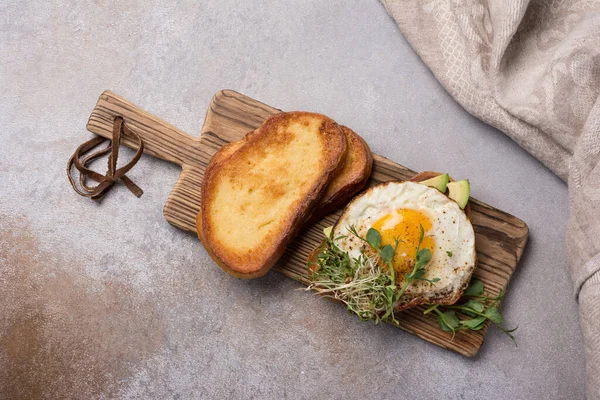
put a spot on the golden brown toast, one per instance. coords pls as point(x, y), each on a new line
point(351, 178)
point(258, 192)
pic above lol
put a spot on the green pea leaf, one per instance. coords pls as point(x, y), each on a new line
point(475, 288)
point(473, 305)
point(373, 238)
point(443, 325)
point(387, 253)
point(448, 321)
point(494, 315)
point(474, 324)
point(418, 274)
point(431, 281)
point(423, 258)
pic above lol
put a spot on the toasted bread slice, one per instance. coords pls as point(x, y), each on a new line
point(352, 177)
point(258, 192)
point(226, 151)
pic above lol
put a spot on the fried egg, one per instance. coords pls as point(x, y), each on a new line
point(398, 210)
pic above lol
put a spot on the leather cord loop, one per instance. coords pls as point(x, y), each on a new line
point(105, 182)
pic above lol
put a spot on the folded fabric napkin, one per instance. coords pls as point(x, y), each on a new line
point(532, 70)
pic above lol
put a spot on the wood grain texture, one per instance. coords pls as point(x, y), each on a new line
point(500, 237)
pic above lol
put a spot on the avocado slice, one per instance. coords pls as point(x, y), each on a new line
point(439, 182)
point(460, 192)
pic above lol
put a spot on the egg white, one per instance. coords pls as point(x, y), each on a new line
point(454, 255)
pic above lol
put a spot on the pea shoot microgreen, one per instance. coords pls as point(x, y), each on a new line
point(368, 285)
point(477, 311)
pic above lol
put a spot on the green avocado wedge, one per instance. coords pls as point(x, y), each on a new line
point(439, 182)
point(460, 192)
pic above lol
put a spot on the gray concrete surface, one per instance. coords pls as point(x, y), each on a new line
point(110, 301)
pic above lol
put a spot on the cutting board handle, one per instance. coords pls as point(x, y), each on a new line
point(160, 139)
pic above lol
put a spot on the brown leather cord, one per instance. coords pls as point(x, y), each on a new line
point(105, 182)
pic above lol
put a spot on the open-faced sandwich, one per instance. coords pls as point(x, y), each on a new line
point(403, 244)
point(411, 219)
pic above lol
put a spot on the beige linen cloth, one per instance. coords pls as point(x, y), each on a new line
point(532, 70)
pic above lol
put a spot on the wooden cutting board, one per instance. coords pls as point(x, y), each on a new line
point(500, 237)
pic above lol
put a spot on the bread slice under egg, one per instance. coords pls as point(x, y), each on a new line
point(258, 191)
point(428, 294)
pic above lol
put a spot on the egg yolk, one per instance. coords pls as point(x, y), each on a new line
point(404, 224)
